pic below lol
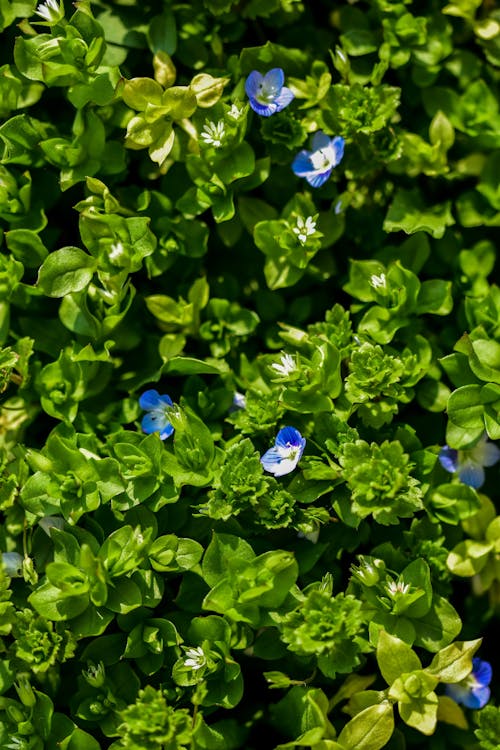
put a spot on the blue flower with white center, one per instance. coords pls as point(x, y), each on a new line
point(156, 420)
point(285, 455)
point(473, 691)
point(317, 165)
point(266, 93)
point(468, 464)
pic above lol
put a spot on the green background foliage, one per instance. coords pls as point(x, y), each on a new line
point(172, 595)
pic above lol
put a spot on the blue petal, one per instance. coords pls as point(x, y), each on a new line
point(273, 81)
point(253, 84)
point(274, 462)
point(154, 421)
point(264, 110)
point(471, 474)
point(448, 458)
point(167, 431)
point(482, 671)
point(490, 454)
point(149, 399)
point(458, 693)
point(290, 437)
point(338, 144)
point(478, 697)
point(316, 179)
point(302, 165)
point(320, 140)
point(284, 99)
point(152, 400)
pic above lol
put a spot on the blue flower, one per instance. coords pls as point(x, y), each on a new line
point(285, 455)
point(469, 463)
point(266, 93)
point(316, 166)
point(473, 691)
point(157, 418)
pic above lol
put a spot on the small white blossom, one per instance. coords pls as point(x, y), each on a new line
point(213, 133)
point(304, 228)
point(50, 11)
point(235, 112)
point(378, 282)
point(116, 251)
point(287, 366)
point(196, 658)
point(393, 588)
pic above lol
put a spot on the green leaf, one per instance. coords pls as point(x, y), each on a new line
point(408, 213)
point(64, 271)
point(454, 663)
point(371, 729)
point(394, 657)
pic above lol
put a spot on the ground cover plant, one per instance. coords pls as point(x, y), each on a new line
point(249, 375)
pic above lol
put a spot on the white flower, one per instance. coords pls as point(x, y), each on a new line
point(304, 228)
point(287, 366)
point(213, 133)
point(393, 588)
point(196, 658)
point(116, 251)
point(50, 11)
point(235, 112)
point(378, 282)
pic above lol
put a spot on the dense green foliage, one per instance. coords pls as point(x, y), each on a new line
point(180, 593)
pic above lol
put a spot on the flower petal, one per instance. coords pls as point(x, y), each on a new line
point(275, 463)
point(289, 437)
point(253, 84)
point(167, 431)
point(273, 81)
point(149, 399)
point(482, 671)
point(320, 141)
point(478, 698)
point(317, 179)
point(264, 110)
point(471, 474)
point(490, 454)
point(458, 693)
point(302, 165)
point(153, 421)
point(338, 144)
point(283, 99)
point(448, 458)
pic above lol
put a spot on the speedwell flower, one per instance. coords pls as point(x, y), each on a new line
point(468, 464)
point(285, 455)
point(473, 691)
point(266, 93)
point(316, 165)
point(156, 420)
